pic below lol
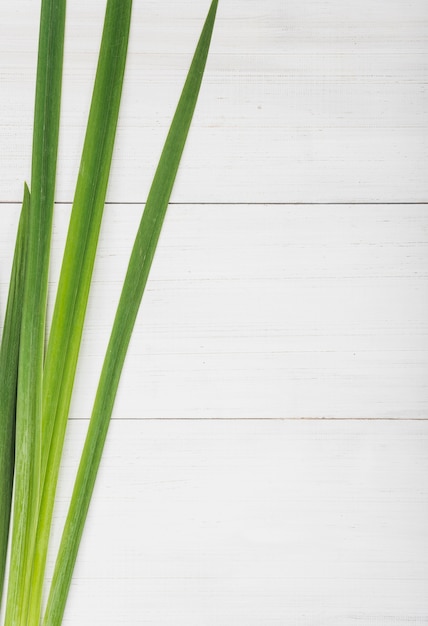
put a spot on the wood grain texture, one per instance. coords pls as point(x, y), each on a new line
point(294, 92)
point(267, 460)
point(263, 312)
point(255, 523)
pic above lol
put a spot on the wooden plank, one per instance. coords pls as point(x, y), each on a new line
point(235, 509)
point(221, 523)
point(302, 102)
point(262, 312)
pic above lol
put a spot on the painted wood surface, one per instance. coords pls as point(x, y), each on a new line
point(267, 460)
point(302, 101)
point(254, 523)
point(263, 312)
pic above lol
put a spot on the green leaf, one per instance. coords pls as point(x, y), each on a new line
point(29, 399)
point(9, 353)
point(133, 288)
point(76, 271)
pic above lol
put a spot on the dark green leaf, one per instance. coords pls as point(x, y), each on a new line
point(29, 399)
point(9, 353)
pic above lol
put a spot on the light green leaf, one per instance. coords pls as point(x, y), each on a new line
point(133, 288)
point(76, 271)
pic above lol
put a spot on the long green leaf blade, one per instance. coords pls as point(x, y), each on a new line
point(9, 353)
point(133, 288)
point(77, 266)
point(29, 400)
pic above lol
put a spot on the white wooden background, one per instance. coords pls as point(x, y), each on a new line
point(268, 458)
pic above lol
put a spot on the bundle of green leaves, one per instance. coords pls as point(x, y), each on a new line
point(36, 387)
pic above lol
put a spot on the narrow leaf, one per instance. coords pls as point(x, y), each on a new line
point(76, 271)
point(29, 400)
point(135, 281)
point(9, 352)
